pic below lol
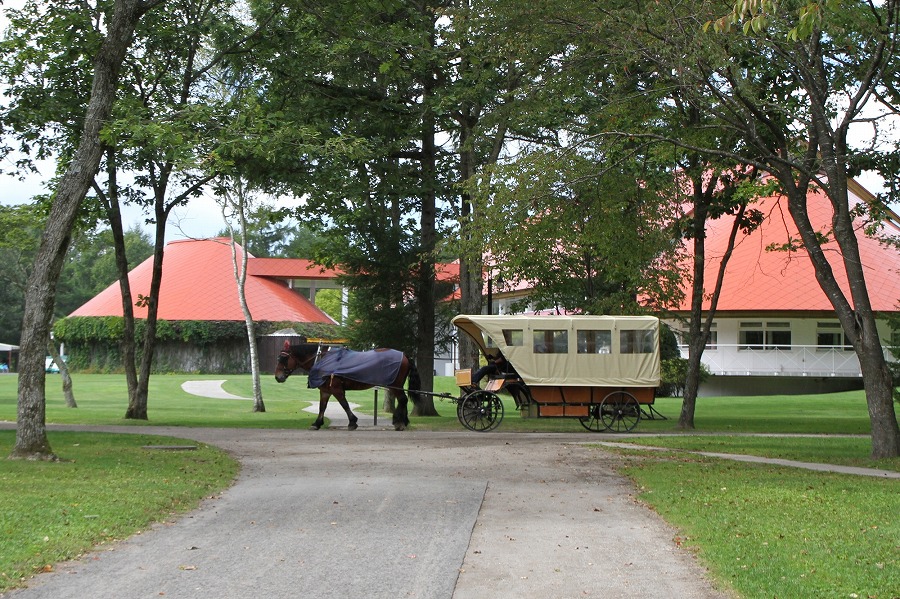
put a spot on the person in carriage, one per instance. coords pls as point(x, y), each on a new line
point(497, 366)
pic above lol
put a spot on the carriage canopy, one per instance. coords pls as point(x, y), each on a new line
point(593, 351)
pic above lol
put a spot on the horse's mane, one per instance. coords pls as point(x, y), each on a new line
point(302, 350)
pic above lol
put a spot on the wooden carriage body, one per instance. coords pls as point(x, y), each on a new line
point(567, 366)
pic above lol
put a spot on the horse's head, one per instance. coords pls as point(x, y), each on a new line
point(293, 357)
point(287, 363)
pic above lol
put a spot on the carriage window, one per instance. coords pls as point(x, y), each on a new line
point(514, 337)
point(594, 342)
point(551, 342)
point(636, 342)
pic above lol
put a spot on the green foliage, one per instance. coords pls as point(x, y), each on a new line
point(109, 329)
point(894, 348)
point(584, 239)
point(673, 375)
point(20, 235)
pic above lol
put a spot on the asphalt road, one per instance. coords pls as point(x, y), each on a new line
point(376, 513)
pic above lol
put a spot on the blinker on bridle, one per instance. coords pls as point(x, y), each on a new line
point(283, 361)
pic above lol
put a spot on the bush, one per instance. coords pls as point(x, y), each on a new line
point(673, 375)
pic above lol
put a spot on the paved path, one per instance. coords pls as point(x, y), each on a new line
point(383, 514)
point(377, 514)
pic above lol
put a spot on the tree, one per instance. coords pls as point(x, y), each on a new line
point(20, 234)
point(597, 242)
point(31, 436)
point(363, 76)
point(793, 96)
point(235, 201)
point(728, 194)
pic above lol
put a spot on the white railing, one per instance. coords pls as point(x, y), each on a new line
point(798, 360)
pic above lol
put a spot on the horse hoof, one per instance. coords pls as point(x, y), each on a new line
point(399, 427)
point(352, 426)
point(314, 427)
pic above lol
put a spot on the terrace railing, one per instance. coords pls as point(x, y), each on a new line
point(796, 360)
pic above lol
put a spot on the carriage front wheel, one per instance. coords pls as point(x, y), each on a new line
point(620, 412)
point(480, 411)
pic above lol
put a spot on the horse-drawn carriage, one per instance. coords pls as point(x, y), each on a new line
point(603, 370)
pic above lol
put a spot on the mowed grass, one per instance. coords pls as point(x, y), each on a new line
point(762, 530)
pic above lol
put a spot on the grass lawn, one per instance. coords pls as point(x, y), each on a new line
point(108, 487)
point(768, 531)
point(764, 531)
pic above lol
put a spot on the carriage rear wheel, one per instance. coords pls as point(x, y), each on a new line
point(620, 412)
point(480, 411)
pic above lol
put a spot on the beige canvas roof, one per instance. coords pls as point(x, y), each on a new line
point(597, 351)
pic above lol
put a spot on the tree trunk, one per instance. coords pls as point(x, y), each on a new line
point(857, 318)
point(700, 328)
point(40, 296)
point(240, 277)
point(114, 214)
point(63, 374)
point(423, 405)
point(137, 406)
point(470, 262)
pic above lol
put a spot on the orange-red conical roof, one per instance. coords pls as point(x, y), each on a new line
point(198, 284)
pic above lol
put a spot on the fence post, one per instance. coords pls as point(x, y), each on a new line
point(375, 420)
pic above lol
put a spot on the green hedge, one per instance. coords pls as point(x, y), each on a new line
point(110, 329)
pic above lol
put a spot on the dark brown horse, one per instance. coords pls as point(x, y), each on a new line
point(334, 372)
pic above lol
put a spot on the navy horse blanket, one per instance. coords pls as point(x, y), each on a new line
point(376, 368)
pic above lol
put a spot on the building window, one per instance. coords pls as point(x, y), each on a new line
point(594, 342)
point(764, 335)
point(830, 336)
point(636, 342)
point(711, 344)
point(551, 342)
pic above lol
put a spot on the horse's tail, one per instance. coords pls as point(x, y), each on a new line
point(414, 380)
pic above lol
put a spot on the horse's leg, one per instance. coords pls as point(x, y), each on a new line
point(401, 415)
point(342, 399)
point(324, 394)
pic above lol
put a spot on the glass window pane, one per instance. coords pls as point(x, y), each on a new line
point(514, 337)
point(636, 342)
point(594, 342)
point(551, 342)
point(750, 339)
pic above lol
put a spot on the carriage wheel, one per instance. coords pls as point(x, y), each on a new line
point(592, 421)
point(620, 412)
point(480, 411)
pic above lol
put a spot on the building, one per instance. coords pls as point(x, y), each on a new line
point(198, 284)
point(775, 330)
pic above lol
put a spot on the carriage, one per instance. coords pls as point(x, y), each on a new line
point(602, 370)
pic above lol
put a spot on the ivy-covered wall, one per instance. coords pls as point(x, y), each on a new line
point(93, 343)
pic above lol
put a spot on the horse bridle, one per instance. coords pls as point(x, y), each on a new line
point(283, 360)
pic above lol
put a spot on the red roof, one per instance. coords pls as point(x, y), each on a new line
point(198, 284)
point(290, 268)
point(758, 279)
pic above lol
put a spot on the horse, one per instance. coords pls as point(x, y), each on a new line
point(337, 371)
